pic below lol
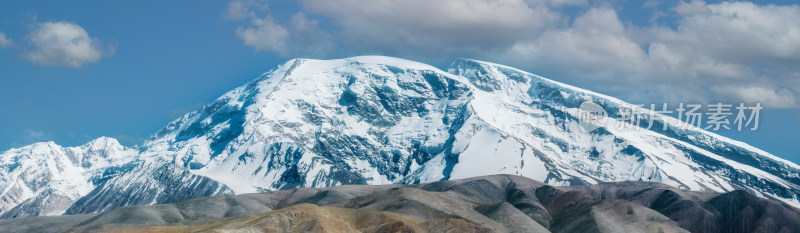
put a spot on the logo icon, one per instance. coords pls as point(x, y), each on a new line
point(591, 116)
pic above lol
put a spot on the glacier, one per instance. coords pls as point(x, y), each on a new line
point(382, 120)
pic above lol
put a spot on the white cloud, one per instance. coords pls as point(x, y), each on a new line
point(596, 42)
point(728, 46)
point(265, 34)
point(413, 27)
point(717, 54)
point(422, 27)
point(299, 36)
point(62, 44)
point(740, 32)
point(4, 41)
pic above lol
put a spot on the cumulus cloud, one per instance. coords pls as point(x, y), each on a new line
point(265, 34)
point(420, 26)
point(63, 44)
point(729, 51)
point(741, 32)
point(4, 41)
point(300, 36)
point(596, 42)
point(732, 51)
point(408, 28)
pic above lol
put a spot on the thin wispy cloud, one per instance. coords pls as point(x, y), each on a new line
point(5, 41)
point(31, 136)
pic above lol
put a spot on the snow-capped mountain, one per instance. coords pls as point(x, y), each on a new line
point(379, 120)
point(46, 179)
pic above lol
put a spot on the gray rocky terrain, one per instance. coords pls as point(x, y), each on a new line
point(497, 203)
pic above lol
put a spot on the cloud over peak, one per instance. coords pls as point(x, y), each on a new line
point(405, 28)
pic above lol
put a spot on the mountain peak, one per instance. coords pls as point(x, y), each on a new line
point(103, 142)
point(104, 148)
point(42, 147)
point(377, 60)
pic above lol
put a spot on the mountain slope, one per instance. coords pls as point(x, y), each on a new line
point(149, 183)
point(382, 120)
point(689, 158)
point(379, 120)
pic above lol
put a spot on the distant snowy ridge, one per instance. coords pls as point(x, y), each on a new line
point(379, 120)
point(46, 179)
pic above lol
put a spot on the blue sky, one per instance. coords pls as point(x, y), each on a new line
point(131, 67)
